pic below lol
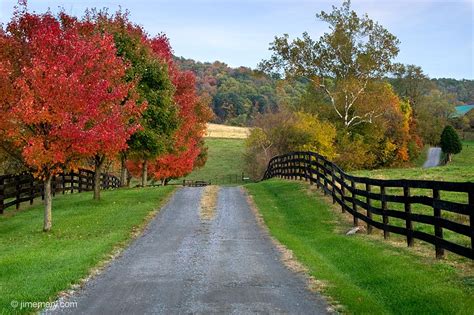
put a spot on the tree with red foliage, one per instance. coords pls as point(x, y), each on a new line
point(159, 120)
point(193, 114)
point(63, 95)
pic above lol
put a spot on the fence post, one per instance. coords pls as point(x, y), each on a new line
point(318, 177)
point(2, 193)
point(32, 189)
point(303, 167)
point(438, 228)
point(343, 193)
point(53, 185)
point(292, 163)
point(354, 204)
point(409, 224)
point(369, 211)
point(71, 176)
point(325, 178)
point(306, 167)
point(90, 181)
point(80, 181)
point(333, 183)
point(17, 185)
point(386, 233)
point(63, 185)
point(471, 216)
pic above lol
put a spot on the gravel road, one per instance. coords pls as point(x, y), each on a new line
point(184, 265)
point(433, 157)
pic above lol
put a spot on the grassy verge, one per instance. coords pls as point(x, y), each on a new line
point(224, 164)
point(35, 266)
point(365, 275)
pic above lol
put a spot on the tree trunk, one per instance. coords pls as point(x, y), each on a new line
point(47, 204)
point(99, 162)
point(145, 173)
point(123, 171)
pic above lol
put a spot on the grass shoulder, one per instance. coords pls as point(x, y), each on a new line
point(36, 266)
point(363, 274)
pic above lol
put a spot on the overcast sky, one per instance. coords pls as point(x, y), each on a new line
point(435, 34)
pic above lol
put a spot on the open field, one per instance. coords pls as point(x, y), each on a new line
point(35, 266)
point(224, 162)
point(228, 132)
point(366, 275)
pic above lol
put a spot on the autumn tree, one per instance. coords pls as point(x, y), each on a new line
point(388, 140)
point(433, 112)
point(62, 97)
point(193, 113)
point(432, 108)
point(283, 132)
point(117, 121)
point(411, 83)
point(342, 63)
point(159, 121)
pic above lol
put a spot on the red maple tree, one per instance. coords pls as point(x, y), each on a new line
point(193, 114)
point(63, 95)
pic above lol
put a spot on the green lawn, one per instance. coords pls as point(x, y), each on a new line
point(35, 266)
point(366, 276)
point(224, 164)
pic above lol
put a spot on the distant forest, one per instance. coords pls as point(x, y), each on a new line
point(237, 95)
point(463, 90)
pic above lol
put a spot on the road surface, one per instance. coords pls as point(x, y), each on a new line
point(185, 265)
point(433, 157)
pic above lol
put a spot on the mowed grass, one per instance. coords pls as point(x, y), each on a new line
point(461, 169)
point(35, 266)
point(224, 164)
point(364, 275)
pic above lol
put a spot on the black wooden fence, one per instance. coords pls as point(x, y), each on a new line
point(437, 212)
point(17, 189)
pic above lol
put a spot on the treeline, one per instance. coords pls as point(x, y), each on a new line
point(463, 90)
point(94, 91)
point(359, 108)
point(237, 95)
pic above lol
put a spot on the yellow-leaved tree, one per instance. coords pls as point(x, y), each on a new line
point(283, 132)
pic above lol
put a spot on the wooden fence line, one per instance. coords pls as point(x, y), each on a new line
point(17, 189)
point(356, 195)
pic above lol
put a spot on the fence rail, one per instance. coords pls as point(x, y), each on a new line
point(18, 189)
point(426, 209)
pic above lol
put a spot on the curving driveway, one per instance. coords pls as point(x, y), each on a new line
point(433, 157)
point(183, 265)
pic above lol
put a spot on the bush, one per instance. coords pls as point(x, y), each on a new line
point(450, 142)
point(283, 132)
